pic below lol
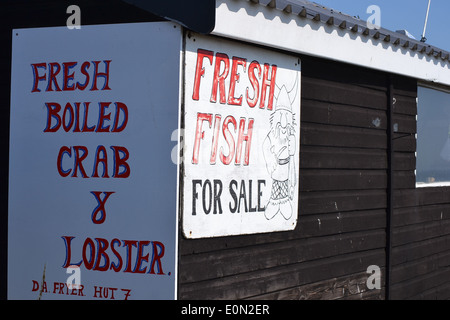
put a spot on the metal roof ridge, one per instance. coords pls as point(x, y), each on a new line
point(319, 13)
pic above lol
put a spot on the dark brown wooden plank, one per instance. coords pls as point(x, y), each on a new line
point(371, 295)
point(275, 279)
point(405, 161)
point(440, 292)
point(417, 250)
point(314, 111)
point(420, 232)
point(321, 225)
point(224, 263)
point(405, 105)
point(417, 286)
point(413, 269)
point(404, 180)
point(405, 123)
point(405, 86)
point(403, 142)
point(313, 157)
point(421, 197)
point(335, 136)
point(419, 215)
point(308, 226)
point(348, 287)
point(343, 73)
point(338, 93)
point(341, 201)
point(329, 180)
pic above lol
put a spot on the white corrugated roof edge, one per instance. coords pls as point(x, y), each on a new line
point(308, 28)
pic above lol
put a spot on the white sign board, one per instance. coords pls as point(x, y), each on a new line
point(241, 147)
point(92, 188)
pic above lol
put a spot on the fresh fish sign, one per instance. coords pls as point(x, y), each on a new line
point(241, 147)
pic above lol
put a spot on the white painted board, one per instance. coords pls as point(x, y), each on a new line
point(241, 151)
point(92, 188)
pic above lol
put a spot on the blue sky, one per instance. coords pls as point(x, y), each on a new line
point(403, 14)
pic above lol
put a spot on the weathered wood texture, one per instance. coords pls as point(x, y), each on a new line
point(342, 215)
point(343, 206)
point(421, 217)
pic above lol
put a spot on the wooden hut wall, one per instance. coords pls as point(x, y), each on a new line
point(343, 201)
point(421, 217)
point(353, 213)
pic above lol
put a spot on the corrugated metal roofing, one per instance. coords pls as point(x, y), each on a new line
point(321, 14)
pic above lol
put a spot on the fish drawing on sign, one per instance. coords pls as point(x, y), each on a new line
point(279, 149)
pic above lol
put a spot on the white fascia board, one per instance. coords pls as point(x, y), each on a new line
point(250, 22)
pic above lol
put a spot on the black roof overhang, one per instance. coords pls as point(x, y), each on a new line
point(198, 15)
